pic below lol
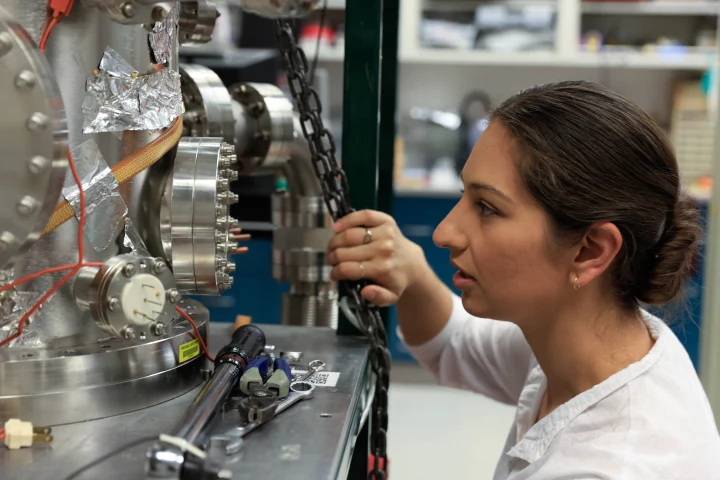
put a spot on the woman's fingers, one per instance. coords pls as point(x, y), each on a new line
point(362, 218)
point(363, 253)
point(377, 295)
point(355, 237)
point(360, 270)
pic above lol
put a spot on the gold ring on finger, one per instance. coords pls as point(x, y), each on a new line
point(368, 236)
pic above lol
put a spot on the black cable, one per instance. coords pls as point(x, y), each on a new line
point(108, 456)
point(323, 12)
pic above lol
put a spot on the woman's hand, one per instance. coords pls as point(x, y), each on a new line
point(368, 245)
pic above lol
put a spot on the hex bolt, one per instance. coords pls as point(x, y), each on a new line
point(232, 175)
point(159, 267)
point(129, 270)
point(221, 209)
point(37, 121)
point(158, 329)
point(159, 14)
point(232, 198)
point(113, 303)
point(128, 10)
point(224, 162)
point(25, 80)
point(232, 159)
point(222, 184)
point(173, 296)
point(6, 239)
point(220, 262)
point(221, 223)
point(6, 43)
point(220, 237)
point(38, 164)
point(257, 109)
point(231, 267)
point(26, 205)
point(128, 333)
point(227, 149)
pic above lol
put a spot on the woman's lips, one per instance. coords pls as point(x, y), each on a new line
point(462, 280)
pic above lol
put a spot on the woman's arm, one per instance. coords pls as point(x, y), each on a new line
point(462, 351)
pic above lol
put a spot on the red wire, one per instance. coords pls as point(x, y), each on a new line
point(75, 269)
point(197, 333)
point(46, 34)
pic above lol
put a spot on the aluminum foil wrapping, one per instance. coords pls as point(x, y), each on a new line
point(132, 239)
point(164, 35)
point(104, 207)
point(116, 100)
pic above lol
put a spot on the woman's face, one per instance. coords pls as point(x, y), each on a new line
point(509, 266)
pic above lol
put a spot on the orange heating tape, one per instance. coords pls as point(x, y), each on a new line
point(127, 168)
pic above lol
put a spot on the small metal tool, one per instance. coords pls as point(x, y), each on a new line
point(313, 367)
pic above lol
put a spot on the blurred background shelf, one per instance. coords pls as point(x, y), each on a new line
point(679, 8)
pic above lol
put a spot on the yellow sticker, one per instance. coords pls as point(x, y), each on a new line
point(188, 351)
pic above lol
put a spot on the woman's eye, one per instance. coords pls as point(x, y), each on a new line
point(485, 210)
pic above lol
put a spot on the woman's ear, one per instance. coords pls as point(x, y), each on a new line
point(598, 249)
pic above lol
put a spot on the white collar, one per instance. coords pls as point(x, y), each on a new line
point(532, 445)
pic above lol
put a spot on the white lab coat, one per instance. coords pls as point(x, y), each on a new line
point(650, 421)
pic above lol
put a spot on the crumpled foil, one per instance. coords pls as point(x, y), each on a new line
point(104, 207)
point(116, 100)
point(164, 34)
point(132, 239)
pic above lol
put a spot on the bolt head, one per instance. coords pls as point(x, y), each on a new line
point(257, 108)
point(159, 14)
point(6, 239)
point(230, 267)
point(128, 10)
point(222, 184)
point(220, 261)
point(159, 329)
point(227, 149)
point(37, 122)
point(26, 205)
point(113, 304)
point(129, 270)
point(128, 333)
point(25, 80)
point(173, 296)
point(38, 164)
point(6, 43)
point(159, 267)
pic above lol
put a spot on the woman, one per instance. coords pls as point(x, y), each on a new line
point(572, 216)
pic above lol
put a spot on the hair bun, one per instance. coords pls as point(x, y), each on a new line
point(673, 259)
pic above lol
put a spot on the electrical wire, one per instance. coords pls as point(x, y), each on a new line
point(198, 337)
point(33, 276)
point(104, 458)
point(323, 12)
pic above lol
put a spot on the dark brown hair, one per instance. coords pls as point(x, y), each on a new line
point(590, 155)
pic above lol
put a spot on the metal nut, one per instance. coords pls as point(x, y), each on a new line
point(222, 184)
point(37, 121)
point(129, 270)
point(232, 198)
point(173, 296)
point(128, 333)
point(25, 80)
point(230, 268)
point(6, 239)
point(38, 164)
point(6, 43)
point(221, 209)
point(26, 205)
point(113, 303)
point(159, 14)
point(159, 329)
point(227, 149)
point(159, 267)
point(128, 10)
point(220, 262)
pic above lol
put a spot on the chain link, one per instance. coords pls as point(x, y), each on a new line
point(335, 191)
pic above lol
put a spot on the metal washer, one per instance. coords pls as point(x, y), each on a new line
point(33, 160)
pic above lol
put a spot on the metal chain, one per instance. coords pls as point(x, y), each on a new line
point(335, 191)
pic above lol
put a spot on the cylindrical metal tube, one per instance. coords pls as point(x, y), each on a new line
point(82, 288)
point(208, 402)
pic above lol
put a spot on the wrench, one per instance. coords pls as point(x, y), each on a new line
point(313, 367)
point(232, 441)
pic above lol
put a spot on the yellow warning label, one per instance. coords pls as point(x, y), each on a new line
point(188, 351)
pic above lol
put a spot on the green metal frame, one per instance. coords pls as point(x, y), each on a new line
point(369, 106)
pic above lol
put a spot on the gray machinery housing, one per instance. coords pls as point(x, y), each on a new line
point(156, 145)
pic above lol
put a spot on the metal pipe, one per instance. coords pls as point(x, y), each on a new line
point(208, 402)
point(298, 169)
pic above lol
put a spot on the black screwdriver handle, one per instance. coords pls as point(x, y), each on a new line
point(247, 343)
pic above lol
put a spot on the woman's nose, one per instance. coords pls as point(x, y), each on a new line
point(450, 234)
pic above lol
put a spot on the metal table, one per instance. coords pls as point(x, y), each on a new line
point(312, 440)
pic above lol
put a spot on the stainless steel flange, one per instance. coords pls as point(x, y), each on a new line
point(199, 200)
point(264, 125)
point(197, 21)
point(105, 378)
point(208, 106)
point(33, 135)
